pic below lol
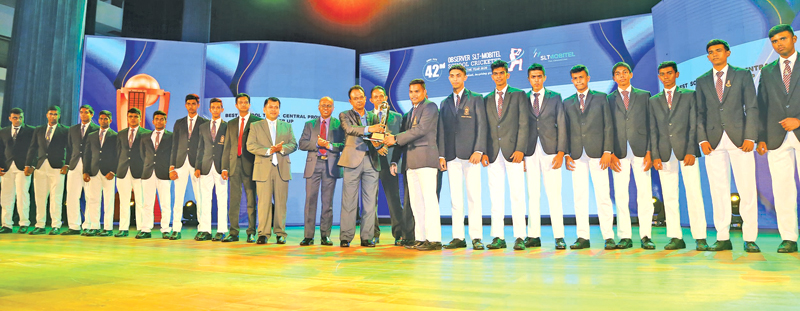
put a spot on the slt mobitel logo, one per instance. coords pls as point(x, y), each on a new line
point(432, 69)
point(554, 57)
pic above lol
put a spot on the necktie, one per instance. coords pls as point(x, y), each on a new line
point(14, 136)
point(130, 138)
point(536, 104)
point(669, 99)
point(719, 85)
point(83, 130)
point(213, 130)
point(500, 104)
point(272, 130)
point(158, 139)
point(241, 129)
point(323, 132)
point(190, 128)
point(102, 135)
point(626, 99)
point(458, 100)
point(49, 131)
point(787, 75)
point(583, 102)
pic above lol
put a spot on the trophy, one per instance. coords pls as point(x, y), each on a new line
point(383, 112)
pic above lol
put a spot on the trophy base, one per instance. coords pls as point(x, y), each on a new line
point(378, 136)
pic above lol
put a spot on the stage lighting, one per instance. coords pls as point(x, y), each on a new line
point(190, 213)
point(736, 219)
point(659, 215)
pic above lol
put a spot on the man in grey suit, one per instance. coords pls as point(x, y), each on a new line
point(101, 161)
point(779, 108)
point(361, 164)
point(209, 167)
point(237, 166)
point(419, 134)
point(272, 142)
point(323, 138)
point(673, 144)
point(183, 161)
point(631, 116)
point(727, 127)
point(507, 115)
point(76, 140)
point(591, 137)
point(156, 151)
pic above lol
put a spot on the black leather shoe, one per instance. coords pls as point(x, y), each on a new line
point(398, 242)
point(176, 235)
point(218, 237)
point(197, 235)
point(430, 246)
point(281, 239)
point(647, 243)
point(456, 243)
point(367, 243)
point(85, 232)
point(533, 242)
point(6, 230)
point(376, 240)
point(262, 240)
point(415, 245)
point(675, 243)
point(38, 231)
point(581, 243)
point(610, 244)
point(202, 236)
point(477, 245)
point(623, 244)
point(251, 238)
point(751, 247)
point(408, 242)
point(701, 245)
point(560, 244)
point(105, 233)
point(497, 243)
point(121, 234)
point(787, 247)
point(55, 231)
point(724, 245)
point(519, 244)
point(23, 229)
point(344, 243)
point(326, 241)
point(230, 238)
point(71, 232)
point(144, 235)
point(166, 235)
point(307, 242)
point(92, 232)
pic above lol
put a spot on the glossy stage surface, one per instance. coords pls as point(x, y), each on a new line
point(96, 273)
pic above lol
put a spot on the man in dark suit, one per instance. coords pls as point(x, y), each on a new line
point(507, 115)
point(673, 144)
point(419, 134)
point(100, 158)
point(728, 125)
point(155, 151)
point(76, 141)
point(361, 164)
point(209, 168)
point(462, 142)
point(322, 138)
point(237, 166)
point(272, 142)
point(591, 143)
point(631, 116)
point(182, 164)
point(547, 143)
point(779, 108)
point(47, 155)
point(129, 168)
point(14, 143)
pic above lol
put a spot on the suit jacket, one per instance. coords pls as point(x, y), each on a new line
point(210, 149)
point(775, 104)
point(355, 147)
point(419, 135)
point(462, 129)
point(100, 159)
point(130, 157)
point(76, 144)
point(260, 142)
point(55, 152)
point(550, 127)
point(184, 145)
point(156, 160)
point(631, 126)
point(308, 142)
point(230, 152)
point(593, 129)
point(15, 150)
point(736, 115)
point(507, 133)
point(673, 130)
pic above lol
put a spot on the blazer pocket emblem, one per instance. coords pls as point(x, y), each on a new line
point(222, 139)
point(728, 84)
point(466, 111)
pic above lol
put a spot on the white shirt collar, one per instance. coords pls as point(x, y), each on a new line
point(627, 89)
point(505, 88)
point(671, 90)
point(724, 72)
point(540, 92)
point(271, 122)
point(585, 93)
point(791, 59)
point(327, 120)
point(459, 93)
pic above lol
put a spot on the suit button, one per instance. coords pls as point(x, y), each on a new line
point(498, 126)
point(584, 135)
point(670, 135)
point(129, 158)
point(723, 124)
point(101, 151)
point(670, 124)
point(499, 138)
point(720, 109)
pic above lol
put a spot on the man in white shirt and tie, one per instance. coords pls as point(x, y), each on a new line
point(129, 168)
point(76, 143)
point(47, 155)
point(209, 167)
point(183, 163)
point(100, 163)
point(156, 151)
point(15, 141)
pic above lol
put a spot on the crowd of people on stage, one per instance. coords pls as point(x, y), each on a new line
point(520, 137)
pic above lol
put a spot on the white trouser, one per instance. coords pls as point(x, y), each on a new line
point(784, 190)
point(540, 165)
point(15, 188)
point(75, 185)
point(124, 187)
point(584, 167)
point(149, 187)
point(424, 203)
point(497, 186)
point(185, 173)
point(718, 167)
point(669, 175)
point(213, 182)
point(458, 172)
point(48, 181)
point(644, 196)
point(99, 187)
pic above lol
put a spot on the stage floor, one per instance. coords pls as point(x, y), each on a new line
point(83, 273)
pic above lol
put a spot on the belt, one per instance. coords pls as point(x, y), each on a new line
point(322, 157)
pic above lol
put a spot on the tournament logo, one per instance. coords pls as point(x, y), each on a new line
point(433, 69)
point(516, 59)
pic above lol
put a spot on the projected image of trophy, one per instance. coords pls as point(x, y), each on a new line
point(382, 115)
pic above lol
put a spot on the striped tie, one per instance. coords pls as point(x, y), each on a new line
point(669, 99)
point(536, 104)
point(787, 75)
point(719, 85)
point(626, 99)
point(583, 103)
point(500, 104)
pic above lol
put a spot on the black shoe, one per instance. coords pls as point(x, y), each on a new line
point(144, 235)
point(307, 242)
point(121, 234)
point(176, 235)
point(787, 247)
point(533, 242)
point(519, 244)
point(38, 231)
point(84, 232)
point(456, 243)
point(398, 242)
point(6, 230)
point(367, 243)
point(751, 247)
point(376, 240)
point(166, 235)
point(326, 241)
point(105, 233)
point(197, 235)
point(230, 238)
point(610, 244)
point(415, 245)
point(623, 243)
point(560, 244)
point(430, 246)
point(202, 236)
point(477, 245)
point(647, 243)
point(251, 238)
point(23, 229)
point(581, 243)
point(218, 237)
point(675, 243)
point(701, 245)
point(344, 243)
point(281, 239)
point(71, 232)
point(262, 240)
point(92, 232)
point(497, 243)
point(55, 231)
point(408, 242)
point(724, 245)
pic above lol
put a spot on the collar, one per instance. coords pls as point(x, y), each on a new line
point(791, 59)
point(271, 122)
point(135, 129)
point(505, 88)
point(585, 94)
point(724, 71)
point(673, 89)
point(459, 94)
point(627, 89)
point(540, 92)
point(327, 120)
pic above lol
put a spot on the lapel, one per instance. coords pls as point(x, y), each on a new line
point(545, 103)
point(453, 107)
point(220, 132)
point(492, 105)
point(269, 134)
point(795, 76)
point(675, 100)
point(621, 102)
point(586, 102)
point(728, 78)
point(316, 126)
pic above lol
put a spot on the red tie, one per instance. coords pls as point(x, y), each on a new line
point(158, 140)
point(669, 99)
point(719, 85)
point(130, 138)
point(323, 132)
point(626, 99)
point(241, 129)
point(787, 75)
point(583, 102)
point(500, 104)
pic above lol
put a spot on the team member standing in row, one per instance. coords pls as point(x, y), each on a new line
point(129, 168)
point(209, 164)
point(47, 156)
point(156, 150)
point(100, 163)
point(183, 162)
point(14, 143)
point(76, 140)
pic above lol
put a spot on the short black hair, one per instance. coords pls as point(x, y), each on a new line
point(105, 113)
point(242, 95)
point(500, 64)
point(620, 64)
point(578, 68)
point(54, 108)
point(136, 111)
point(275, 99)
point(192, 96)
point(417, 81)
point(16, 110)
point(159, 113)
point(215, 100)
point(780, 28)
point(535, 66)
point(668, 63)
point(355, 87)
point(458, 67)
point(377, 87)
point(91, 110)
point(716, 42)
